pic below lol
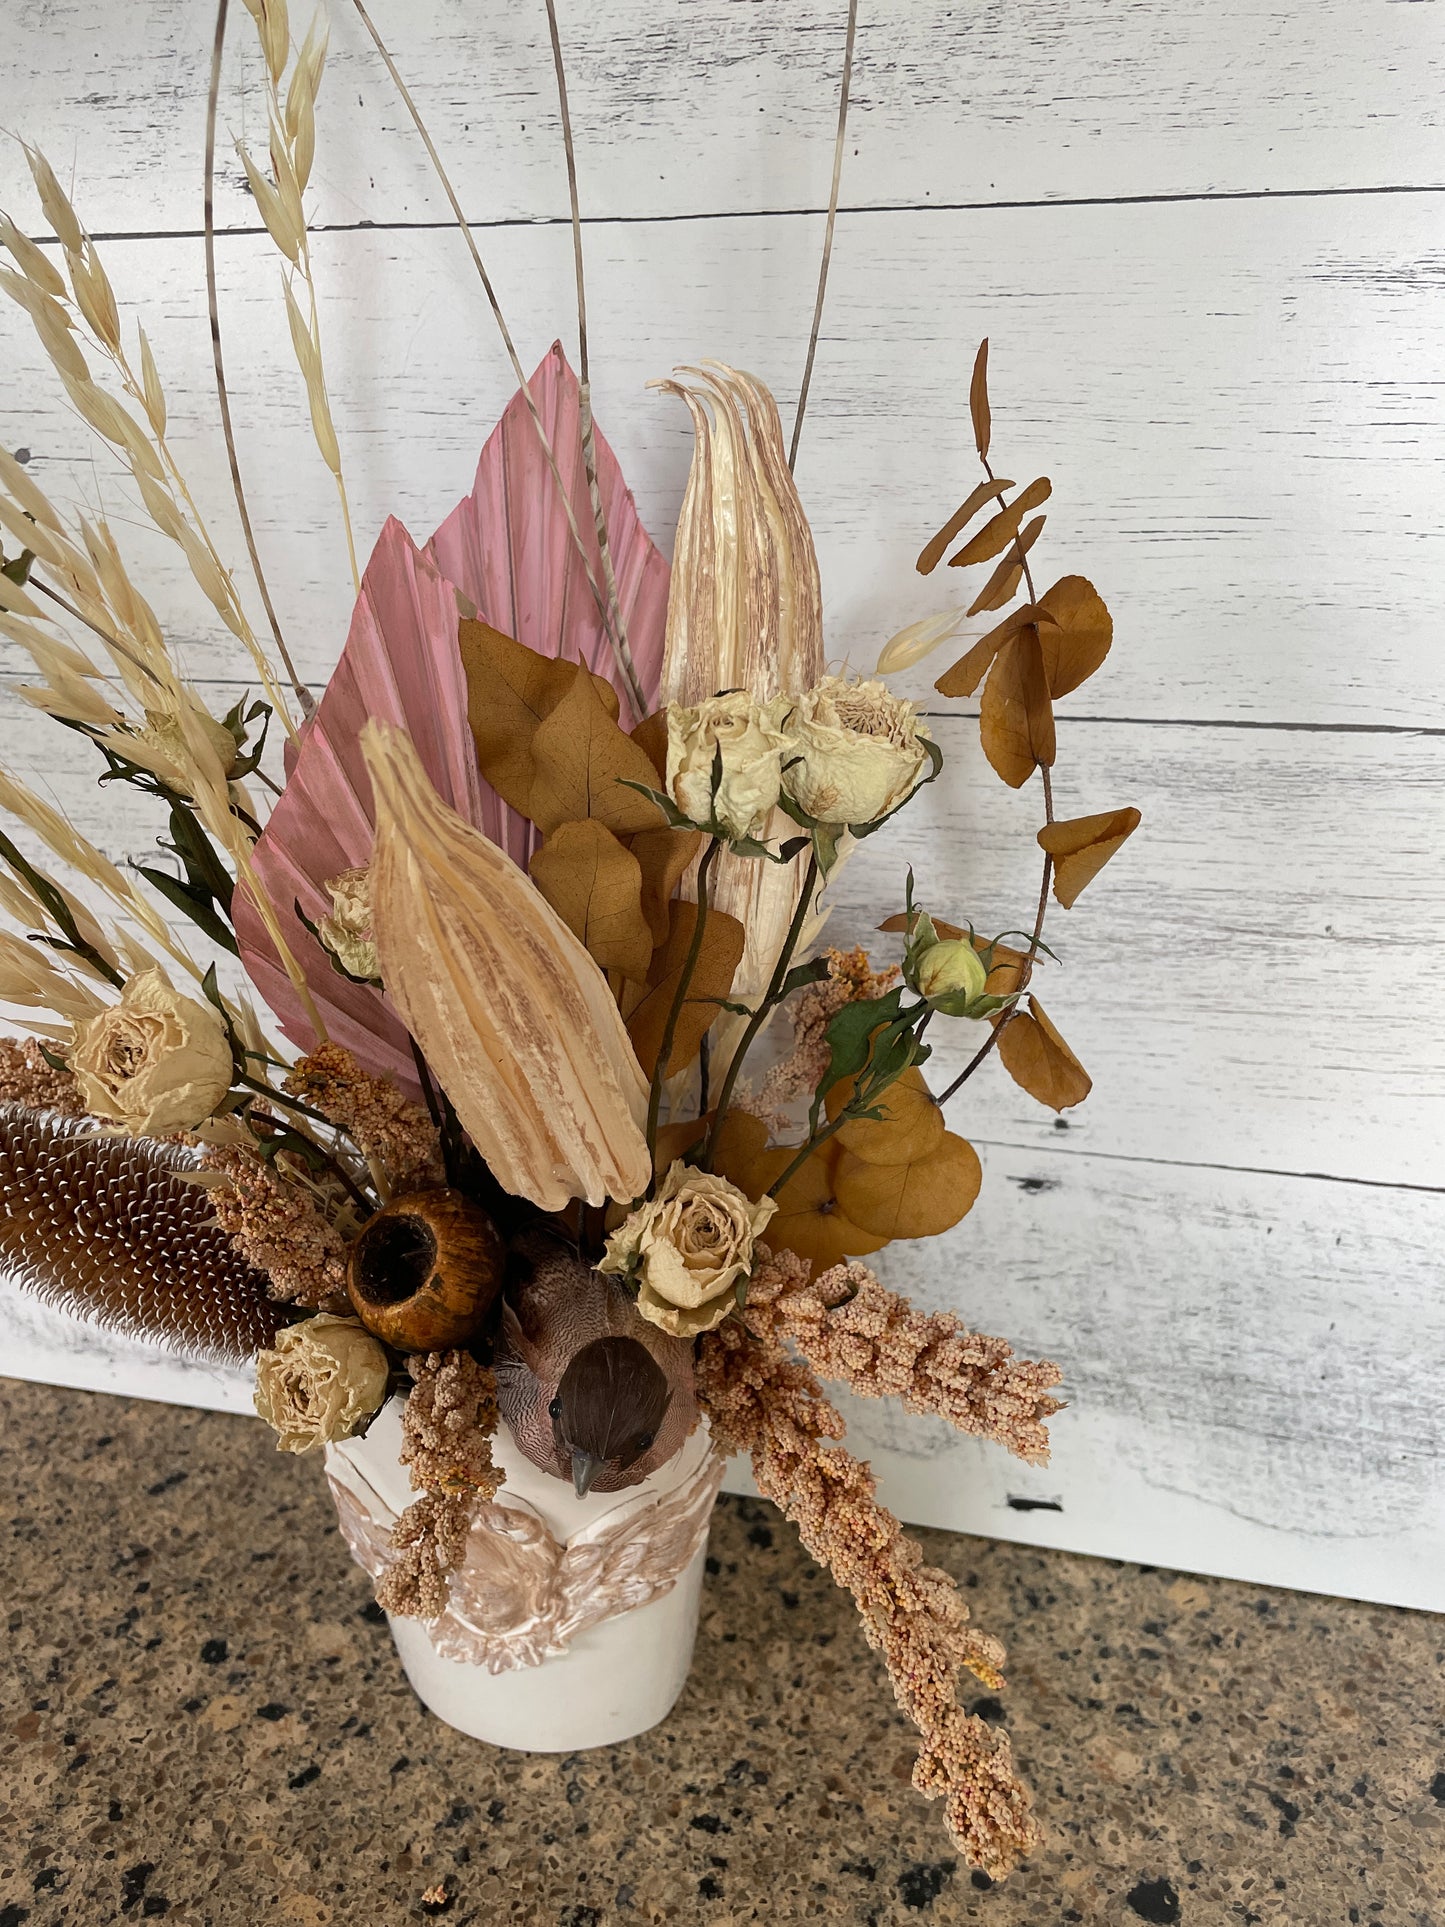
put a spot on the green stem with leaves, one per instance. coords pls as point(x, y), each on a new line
point(766, 1006)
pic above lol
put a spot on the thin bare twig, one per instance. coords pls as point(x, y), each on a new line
point(303, 694)
point(584, 384)
point(828, 231)
point(507, 342)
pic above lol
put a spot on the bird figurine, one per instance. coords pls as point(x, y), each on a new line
point(592, 1392)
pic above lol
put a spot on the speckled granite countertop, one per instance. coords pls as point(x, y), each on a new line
point(202, 1719)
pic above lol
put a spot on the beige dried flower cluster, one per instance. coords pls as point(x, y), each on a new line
point(389, 1130)
point(852, 1329)
point(761, 1401)
point(280, 1228)
point(447, 1427)
point(26, 1078)
point(851, 978)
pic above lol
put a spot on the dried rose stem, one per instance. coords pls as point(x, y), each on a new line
point(490, 292)
point(694, 951)
point(766, 1005)
point(303, 694)
point(827, 232)
point(584, 383)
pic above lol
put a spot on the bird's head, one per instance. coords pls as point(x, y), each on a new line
point(608, 1408)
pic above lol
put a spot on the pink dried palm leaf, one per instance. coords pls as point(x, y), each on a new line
point(400, 663)
point(509, 550)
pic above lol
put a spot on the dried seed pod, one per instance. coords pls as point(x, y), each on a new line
point(425, 1271)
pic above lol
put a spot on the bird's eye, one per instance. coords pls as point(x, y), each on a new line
point(554, 1410)
point(645, 1442)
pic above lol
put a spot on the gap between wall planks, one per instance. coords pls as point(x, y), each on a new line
point(1236, 401)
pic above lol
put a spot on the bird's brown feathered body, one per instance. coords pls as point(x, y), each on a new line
point(592, 1392)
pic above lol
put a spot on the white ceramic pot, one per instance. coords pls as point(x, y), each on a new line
point(571, 1621)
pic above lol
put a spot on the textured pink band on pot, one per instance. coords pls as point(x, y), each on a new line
point(520, 1595)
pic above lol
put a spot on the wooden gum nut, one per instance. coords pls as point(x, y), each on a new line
point(425, 1271)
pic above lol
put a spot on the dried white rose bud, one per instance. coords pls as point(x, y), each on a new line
point(322, 1380)
point(858, 751)
point(155, 1062)
point(687, 1249)
point(752, 745)
point(347, 932)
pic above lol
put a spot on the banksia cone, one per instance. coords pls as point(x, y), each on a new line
point(105, 1228)
point(515, 1019)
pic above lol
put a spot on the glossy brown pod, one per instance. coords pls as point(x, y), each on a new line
point(425, 1271)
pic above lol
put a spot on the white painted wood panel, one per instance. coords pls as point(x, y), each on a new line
point(1243, 1356)
point(1238, 404)
point(704, 106)
point(1255, 981)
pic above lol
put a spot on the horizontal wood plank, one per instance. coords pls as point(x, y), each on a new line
point(1237, 1356)
point(704, 106)
point(1254, 981)
point(1237, 404)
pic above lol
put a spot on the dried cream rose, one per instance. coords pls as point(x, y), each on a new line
point(752, 744)
point(857, 751)
point(155, 1062)
point(347, 932)
point(322, 1381)
point(162, 747)
point(692, 1243)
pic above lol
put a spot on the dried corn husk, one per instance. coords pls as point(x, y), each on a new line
point(514, 1017)
point(745, 611)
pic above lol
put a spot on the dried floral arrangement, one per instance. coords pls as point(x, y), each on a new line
point(531, 902)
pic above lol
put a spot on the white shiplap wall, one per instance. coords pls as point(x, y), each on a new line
point(1206, 244)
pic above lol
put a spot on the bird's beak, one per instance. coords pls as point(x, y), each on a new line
point(585, 1470)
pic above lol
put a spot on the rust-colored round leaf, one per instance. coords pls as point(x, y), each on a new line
point(741, 1142)
point(810, 1220)
point(910, 1128)
point(1040, 1062)
point(1016, 718)
point(1082, 846)
point(1076, 639)
point(911, 1200)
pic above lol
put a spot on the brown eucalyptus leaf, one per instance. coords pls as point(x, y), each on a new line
point(741, 1142)
point(810, 1220)
point(1001, 587)
point(1040, 1062)
point(510, 688)
point(971, 668)
point(931, 554)
point(917, 1200)
point(664, 855)
point(1082, 846)
point(650, 736)
point(1081, 632)
point(995, 535)
point(595, 885)
point(579, 756)
point(1006, 973)
point(712, 978)
point(910, 1128)
point(510, 691)
point(1016, 719)
point(978, 400)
